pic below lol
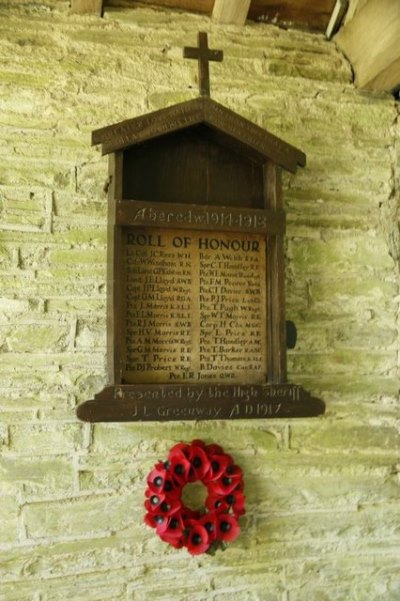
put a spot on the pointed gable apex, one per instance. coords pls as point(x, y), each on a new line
point(233, 128)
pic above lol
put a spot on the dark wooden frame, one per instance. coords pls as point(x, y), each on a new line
point(133, 402)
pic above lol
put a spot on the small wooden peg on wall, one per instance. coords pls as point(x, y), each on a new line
point(203, 54)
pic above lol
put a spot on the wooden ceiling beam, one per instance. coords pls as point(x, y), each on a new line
point(310, 15)
point(370, 40)
point(233, 12)
point(91, 7)
point(200, 6)
point(337, 16)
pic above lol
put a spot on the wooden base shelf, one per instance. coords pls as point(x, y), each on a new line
point(199, 402)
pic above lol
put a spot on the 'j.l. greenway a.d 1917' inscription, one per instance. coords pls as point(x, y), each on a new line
point(195, 306)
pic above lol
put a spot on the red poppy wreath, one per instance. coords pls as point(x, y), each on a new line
point(207, 529)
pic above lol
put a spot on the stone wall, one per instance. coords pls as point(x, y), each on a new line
point(323, 520)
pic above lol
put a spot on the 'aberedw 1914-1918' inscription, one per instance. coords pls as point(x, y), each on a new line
point(195, 306)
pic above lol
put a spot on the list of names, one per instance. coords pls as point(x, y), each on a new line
point(195, 307)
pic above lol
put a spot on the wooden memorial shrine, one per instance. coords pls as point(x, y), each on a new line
point(196, 310)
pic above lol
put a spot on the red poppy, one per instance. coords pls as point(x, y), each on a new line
point(154, 500)
point(181, 449)
point(227, 527)
point(214, 449)
point(172, 527)
point(156, 479)
point(200, 464)
point(234, 503)
point(218, 465)
point(179, 467)
point(228, 481)
point(170, 507)
point(217, 503)
point(209, 521)
point(161, 483)
point(153, 519)
point(235, 500)
point(198, 443)
point(198, 540)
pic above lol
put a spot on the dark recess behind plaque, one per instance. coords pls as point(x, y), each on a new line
point(190, 167)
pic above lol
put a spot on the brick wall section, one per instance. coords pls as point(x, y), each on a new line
point(323, 521)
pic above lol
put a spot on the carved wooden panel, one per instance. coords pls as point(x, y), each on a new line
point(196, 324)
point(195, 307)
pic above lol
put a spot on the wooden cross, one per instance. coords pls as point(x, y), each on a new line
point(203, 54)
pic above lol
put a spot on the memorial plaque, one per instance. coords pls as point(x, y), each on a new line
point(195, 307)
point(196, 325)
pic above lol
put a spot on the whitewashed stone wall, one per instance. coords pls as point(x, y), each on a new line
point(323, 521)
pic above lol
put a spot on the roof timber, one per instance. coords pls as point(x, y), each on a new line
point(370, 40)
point(310, 15)
point(369, 37)
point(231, 11)
point(228, 126)
point(94, 7)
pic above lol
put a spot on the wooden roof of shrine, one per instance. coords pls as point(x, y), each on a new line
point(223, 125)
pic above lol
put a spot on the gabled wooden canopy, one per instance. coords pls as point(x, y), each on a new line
point(226, 126)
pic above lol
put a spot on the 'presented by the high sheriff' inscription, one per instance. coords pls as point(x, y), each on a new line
point(195, 307)
point(196, 325)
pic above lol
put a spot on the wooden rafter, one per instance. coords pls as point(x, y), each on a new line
point(231, 11)
point(370, 40)
point(92, 7)
point(337, 16)
point(200, 6)
point(311, 15)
